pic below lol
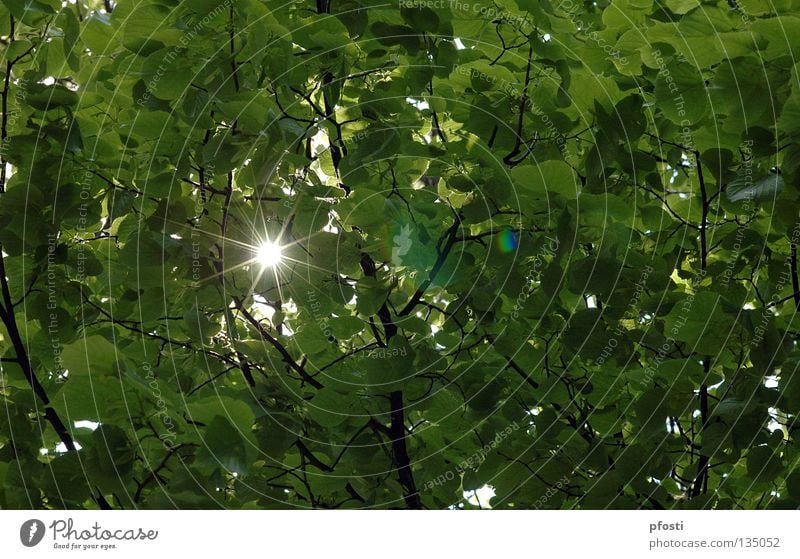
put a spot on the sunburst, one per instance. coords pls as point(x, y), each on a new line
point(269, 254)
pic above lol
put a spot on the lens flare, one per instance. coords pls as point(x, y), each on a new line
point(269, 254)
point(508, 240)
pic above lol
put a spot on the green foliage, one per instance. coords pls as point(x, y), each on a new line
point(545, 247)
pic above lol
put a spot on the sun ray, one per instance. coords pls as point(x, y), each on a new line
point(269, 254)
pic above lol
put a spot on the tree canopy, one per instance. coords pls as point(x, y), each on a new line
point(417, 254)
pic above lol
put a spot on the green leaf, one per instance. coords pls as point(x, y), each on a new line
point(744, 187)
point(92, 355)
point(545, 179)
point(682, 6)
point(223, 446)
point(681, 93)
point(763, 463)
point(109, 458)
point(699, 320)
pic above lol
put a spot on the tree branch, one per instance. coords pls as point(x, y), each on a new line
point(23, 360)
point(287, 358)
point(397, 429)
point(443, 254)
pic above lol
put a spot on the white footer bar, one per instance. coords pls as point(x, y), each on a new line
point(399, 534)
